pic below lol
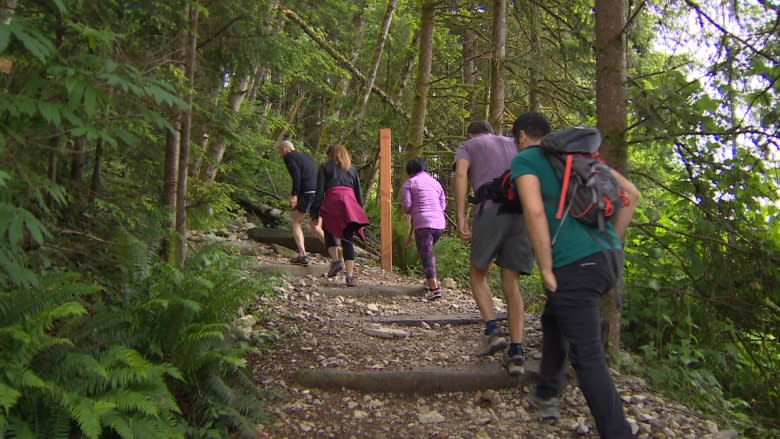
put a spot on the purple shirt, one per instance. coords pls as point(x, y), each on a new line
point(488, 156)
point(423, 198)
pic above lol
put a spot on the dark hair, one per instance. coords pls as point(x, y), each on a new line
point(480, 127)
point(533, 124)
point(415, 165)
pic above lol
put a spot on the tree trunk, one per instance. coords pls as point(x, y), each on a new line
point(344, 62)
point(469, 67)
point(612, 122)
point(173, 140)
point(533, 84)
point(334, 108)
point(96, 184)
point(77, 165)
point(216, 148)
point(7, 12)
point(496, 114)
point(184, 148)
point(375, 62)
point(406, 71)
point(423, 82)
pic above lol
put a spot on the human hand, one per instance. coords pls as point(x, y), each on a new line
point(465, 231)
point(409, 240)
point(549, 281)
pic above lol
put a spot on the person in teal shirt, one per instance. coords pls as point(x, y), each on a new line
point(578, 265)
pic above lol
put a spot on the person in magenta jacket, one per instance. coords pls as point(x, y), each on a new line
point(339, 201)
point(423, 198)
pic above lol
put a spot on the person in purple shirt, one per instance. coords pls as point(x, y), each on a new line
point(497, 236)
point(423, 198)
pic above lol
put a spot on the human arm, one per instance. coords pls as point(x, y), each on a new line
point(461, 187)
point(356, 187)
point(530, 192)
point(406, 196)
point(319, 194)
point(623, 218)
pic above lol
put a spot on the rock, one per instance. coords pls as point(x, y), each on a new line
point(431, 417)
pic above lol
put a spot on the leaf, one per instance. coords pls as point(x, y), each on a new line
point(90, 100)
point(51, 113)
point(5, 37)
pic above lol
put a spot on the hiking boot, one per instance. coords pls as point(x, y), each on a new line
point(351, 281)
point(548, 409)
point(433, 294)
point(514, 364)
point(335, 267)
point(300, 260)
point(492, 343)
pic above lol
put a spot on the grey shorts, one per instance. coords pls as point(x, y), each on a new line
point(503, 238)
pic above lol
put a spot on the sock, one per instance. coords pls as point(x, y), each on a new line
point(515, 349)
point(490, 326)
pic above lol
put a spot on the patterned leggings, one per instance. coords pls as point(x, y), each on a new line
point(425, 238)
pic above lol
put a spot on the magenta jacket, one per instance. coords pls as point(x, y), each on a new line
point(423, 198)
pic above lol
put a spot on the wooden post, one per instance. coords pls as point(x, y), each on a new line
point(385, 201)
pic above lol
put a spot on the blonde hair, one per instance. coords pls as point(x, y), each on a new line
point(339, 155)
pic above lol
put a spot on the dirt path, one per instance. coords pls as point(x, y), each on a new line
point(342, 369)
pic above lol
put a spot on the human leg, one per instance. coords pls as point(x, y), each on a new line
point(580, 286)
point(297, 231)
point(514, 360)
point(348, 249)
point(424, 240)
point(315, 227)
point(333, 251)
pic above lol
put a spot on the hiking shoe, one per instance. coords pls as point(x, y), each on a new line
point(351, 281)
point(433, 294)
point(300, 260)
point(490, 344)
point(335, 267)
point(514, 364)
point(548, 409)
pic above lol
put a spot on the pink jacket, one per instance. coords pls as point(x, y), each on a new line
point(423, 198)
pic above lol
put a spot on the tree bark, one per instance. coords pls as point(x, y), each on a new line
point(97, 168)
point(375, 62)
point(469, 67)
point(173, 140)
point(344, 62)
point(533, 84)
point(184, 148)
point(7, 12)
point(79, 154)
point(612, 122)
point(423, 81)
point(334, 109)
point(216, 147)
point(496, 114)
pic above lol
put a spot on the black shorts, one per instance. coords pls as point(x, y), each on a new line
point(304, 202)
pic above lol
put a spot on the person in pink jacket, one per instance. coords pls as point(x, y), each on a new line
point(423, 198)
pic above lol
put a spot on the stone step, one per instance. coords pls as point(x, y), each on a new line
point(372, 290)
point(419, 319)
point(426, 380)
point(293, 270)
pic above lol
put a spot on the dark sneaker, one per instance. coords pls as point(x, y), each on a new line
point(335, 268)
point(515, 364)
point(351, 282)
point(490, 344)
point(547, 409)
point(433, 294)
point(300, 260)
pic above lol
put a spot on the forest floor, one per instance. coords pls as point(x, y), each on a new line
point(322, 330)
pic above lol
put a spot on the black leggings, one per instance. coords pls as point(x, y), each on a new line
point(346, 243)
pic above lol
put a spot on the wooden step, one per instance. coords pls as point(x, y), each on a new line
point(426, 380)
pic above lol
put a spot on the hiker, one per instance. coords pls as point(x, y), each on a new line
point(303, 171)
point(577, 269)
point(495, 236)
point(339, 202)
point(423, 198)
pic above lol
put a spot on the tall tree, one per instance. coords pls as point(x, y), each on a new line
point(498, 55)
point(612, 122)
point(191, 48)
point(423, 81)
